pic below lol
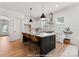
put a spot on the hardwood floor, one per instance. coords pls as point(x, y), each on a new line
point(57, 51)
point(19, 49)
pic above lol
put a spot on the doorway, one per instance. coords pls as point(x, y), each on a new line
point(4, 26)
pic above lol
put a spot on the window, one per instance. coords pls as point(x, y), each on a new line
point(60, 20)
point(4, 28)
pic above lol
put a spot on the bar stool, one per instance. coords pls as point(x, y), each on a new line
point(33, 38)
point(24, 37)
point(28, 36)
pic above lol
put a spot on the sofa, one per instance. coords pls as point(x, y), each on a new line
point(70, 51)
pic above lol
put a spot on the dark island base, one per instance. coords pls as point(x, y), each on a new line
point(46, 44)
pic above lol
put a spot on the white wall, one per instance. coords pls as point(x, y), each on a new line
point(14, 19)
point(70, 16)
point(71, 19)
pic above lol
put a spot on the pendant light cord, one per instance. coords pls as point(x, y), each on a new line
point(43, 16)
point(30, 13)
point(43, 7)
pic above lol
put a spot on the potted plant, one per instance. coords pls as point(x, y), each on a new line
point(67, 33)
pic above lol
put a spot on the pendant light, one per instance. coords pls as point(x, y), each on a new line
point(30, 16)
point(43, 16)
point(30, 20)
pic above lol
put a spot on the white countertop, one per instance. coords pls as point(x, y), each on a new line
point(42, 34)
point(45, 34)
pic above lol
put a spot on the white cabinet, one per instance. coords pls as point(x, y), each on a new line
point(59, 32)
point(60, 37)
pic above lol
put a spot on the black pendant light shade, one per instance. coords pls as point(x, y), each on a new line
point(30, 20)
point(43, 16)
point(30, 15)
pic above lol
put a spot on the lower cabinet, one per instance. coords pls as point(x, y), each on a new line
point(47, 44)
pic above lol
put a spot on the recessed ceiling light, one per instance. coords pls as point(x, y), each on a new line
point(57, 5)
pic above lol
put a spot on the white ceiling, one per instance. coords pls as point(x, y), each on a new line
point(23, 7)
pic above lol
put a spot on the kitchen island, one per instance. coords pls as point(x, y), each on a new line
point(46, 41)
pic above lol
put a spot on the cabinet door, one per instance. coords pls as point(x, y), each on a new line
point(52, 42)
point(45, 45)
